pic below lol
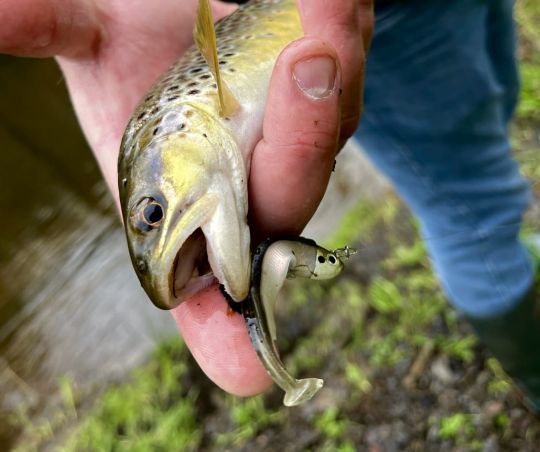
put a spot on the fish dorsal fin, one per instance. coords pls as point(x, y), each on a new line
point(205, 39)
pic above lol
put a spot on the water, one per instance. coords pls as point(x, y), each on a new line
point(70, 304)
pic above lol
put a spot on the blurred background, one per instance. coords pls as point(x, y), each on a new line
point(86, 362)
point(70, 305)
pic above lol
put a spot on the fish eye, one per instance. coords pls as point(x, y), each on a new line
point(332, 259)
point(321, 259)
point(149, 215)
point(152, 214)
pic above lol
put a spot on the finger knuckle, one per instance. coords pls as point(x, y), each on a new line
point(312, 144)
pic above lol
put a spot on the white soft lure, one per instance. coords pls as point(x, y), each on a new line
point(273, 263)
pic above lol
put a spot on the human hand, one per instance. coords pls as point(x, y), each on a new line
point(111, 51)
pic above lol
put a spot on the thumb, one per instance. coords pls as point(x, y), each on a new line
point(292, 164)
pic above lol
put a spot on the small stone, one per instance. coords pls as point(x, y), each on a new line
point(442, 372)
point(493, 408)
point(491, 444)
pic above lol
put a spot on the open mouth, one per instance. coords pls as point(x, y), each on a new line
point(191, 271)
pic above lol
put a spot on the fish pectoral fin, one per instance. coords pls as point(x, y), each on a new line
point(205, 39)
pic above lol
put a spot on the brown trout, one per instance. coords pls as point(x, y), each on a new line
point(186, 152)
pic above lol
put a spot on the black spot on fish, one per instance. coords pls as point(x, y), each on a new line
point(170, 99)
point(155, 131)
point(173, 88)
point(232, 69)
point(205, 76)
point(196, 70)
point(228, 55)
point(155, 110)
point(192, 84)
point(142, 115)
point(193, 92)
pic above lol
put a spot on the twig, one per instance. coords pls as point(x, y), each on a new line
point(419, 365)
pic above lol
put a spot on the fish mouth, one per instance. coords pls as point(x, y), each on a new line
point(191, 271)
point(196, 252)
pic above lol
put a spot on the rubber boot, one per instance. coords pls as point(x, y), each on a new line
point(514, 339)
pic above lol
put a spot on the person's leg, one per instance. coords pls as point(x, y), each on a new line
point(440, 88)
point(435, 123)
point(501, 48)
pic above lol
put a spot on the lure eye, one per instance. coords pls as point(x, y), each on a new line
point(152, 214)
point(321, 259)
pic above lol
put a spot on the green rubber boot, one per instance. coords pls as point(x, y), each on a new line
point(514, 338)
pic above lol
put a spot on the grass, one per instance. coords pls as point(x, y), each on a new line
point(151, 412)
point(372, 329)
point(375, 336)
point(529, 106)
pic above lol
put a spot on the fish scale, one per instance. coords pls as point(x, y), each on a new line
point(248, 42)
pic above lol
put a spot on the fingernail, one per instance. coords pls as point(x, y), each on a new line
point(316, 76)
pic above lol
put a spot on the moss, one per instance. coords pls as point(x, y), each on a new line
point(151, 412)
point(458, 427)
point(529, 105)
point(249, 417)
point(358, 223)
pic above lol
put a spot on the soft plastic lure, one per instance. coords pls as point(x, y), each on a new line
point(272, 264)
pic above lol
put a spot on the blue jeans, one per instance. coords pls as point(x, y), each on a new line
point(441, 86)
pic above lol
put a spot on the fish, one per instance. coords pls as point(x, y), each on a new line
point(273, 263)
point(185, 155)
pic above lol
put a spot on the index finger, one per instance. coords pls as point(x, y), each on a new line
point(44, 28)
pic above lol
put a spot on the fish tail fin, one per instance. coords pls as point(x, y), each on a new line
point(303, 391)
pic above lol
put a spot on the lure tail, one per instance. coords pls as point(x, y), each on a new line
point(272, 263)
point(302, 391)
